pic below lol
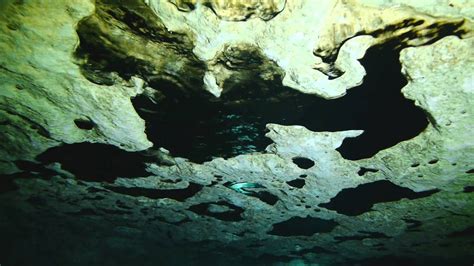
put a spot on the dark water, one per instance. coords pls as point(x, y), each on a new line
point(200, 127)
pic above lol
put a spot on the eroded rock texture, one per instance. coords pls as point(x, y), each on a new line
point(236, 132)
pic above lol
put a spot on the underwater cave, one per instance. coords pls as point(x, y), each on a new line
point(200, 127)
point(114, 152)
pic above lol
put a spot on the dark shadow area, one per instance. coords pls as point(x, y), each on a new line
point(200, 126)
point(96, 162)
point(7, 184)
point(363, 170)
point(358, 200)
point(468, 189)
point(468, 232)
point(122, 205)
point(413, 225)
point(298, 226)
point(85, 124)
point(34, 169)
point(303, 163)
point(384, 114)
point(29, 170)
point(265, 196)
point(179, 194)
point(220, 210)
point(297, 183)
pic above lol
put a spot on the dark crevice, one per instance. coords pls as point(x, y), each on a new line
point(266, 197)
point(390, 117)
point(122, 205)
point(358, 200)
point(35, 169)
point(96, 190)
point(412, 224)
point(38, 127)
point(303, 163)
point(363, 170)
point(468, 189)
point(298, 226)
point(200, 127)
point(179, 194)
point(228, 212)
point(85, 124)
point(297, 183)
point(96, 162)
point(98, 197)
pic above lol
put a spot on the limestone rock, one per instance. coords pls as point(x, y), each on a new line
point(89, 87)
point(235, 10)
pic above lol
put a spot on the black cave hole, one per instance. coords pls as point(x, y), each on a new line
point(266, 197)
point(358, 200)
point(199, 126)
point(297, 183)
point(96, 162)
point(303, 163)
point(364, 170)
point(85, 124)
point(299, 226)
point(468, 189)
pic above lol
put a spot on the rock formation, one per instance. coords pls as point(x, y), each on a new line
point(236, 132)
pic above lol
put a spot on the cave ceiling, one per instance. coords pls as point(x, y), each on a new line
point(236, 132)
